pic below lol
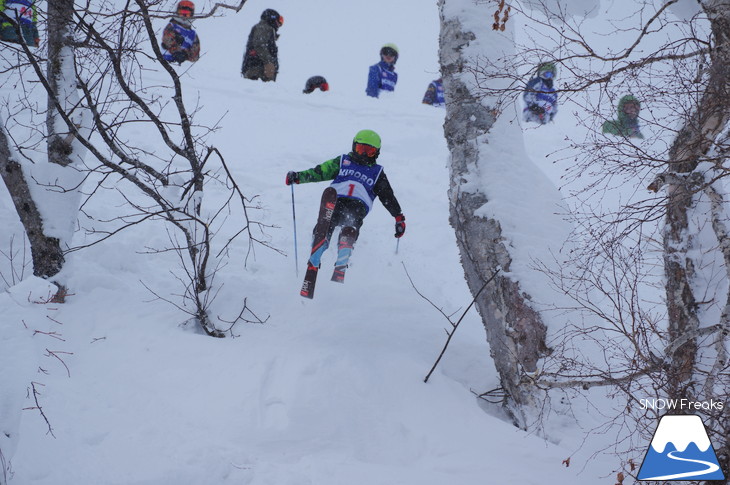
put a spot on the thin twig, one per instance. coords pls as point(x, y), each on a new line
point(453, 325)
point(39, 407)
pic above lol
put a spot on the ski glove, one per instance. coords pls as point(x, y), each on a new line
point(400, 225)
point(292, 178)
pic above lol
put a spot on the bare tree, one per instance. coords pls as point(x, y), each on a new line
point(69, 133)
point(98, 93)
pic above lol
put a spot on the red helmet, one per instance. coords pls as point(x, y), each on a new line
point(186, 6)
point(315, 82)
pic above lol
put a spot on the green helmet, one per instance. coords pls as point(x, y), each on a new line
point(392, 46)
point(547, 67)
point(368, 137)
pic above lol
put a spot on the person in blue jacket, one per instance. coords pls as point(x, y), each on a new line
point(382, 76)
point(179, 40)
point(541, 100)
point(435, 93)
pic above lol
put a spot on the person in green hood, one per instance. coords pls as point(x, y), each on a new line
point(627, 124)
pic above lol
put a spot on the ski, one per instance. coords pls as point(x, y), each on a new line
point(310, 278)
point(319, 241)
point(338, 275)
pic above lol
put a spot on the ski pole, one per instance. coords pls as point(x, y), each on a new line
point(294, 217)
point(397, 245)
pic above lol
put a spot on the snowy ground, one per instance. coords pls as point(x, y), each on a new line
point(328, 391)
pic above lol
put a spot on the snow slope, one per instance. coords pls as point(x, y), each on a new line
point(328, 391)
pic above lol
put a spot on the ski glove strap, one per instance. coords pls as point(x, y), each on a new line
point(400, 225)
point(292, 178)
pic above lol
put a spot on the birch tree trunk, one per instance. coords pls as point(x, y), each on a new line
point(61, 80)
point(45, 251)
point(694, 142)
point(515, 331)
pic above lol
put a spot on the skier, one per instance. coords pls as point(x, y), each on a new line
point(261, 61)
point(435, 93)
point(627, 123)
point(315, 82)
point(541, 100)
point(179, 40)
point(382, 76)
point(25, 13)
point(356, 181)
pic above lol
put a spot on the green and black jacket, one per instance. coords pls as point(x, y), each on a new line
point(328, 171)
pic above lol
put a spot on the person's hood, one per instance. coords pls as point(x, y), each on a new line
point(623, 119)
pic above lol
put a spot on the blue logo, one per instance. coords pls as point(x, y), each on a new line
point(680, 450)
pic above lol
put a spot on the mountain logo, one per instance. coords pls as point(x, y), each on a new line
point(680, 450)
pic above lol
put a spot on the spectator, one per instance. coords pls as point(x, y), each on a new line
point(315, 82)
point(382, 76)
point(435, 93)
point(261, 61)
point(180, 43)
point(627, 123)
point(541, 100)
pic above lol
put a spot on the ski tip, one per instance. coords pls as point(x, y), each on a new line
point(307, 290)
point(338, 276)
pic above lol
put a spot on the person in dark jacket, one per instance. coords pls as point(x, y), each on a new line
point(358, 181)
point(435, 94)
point(180, 43)
point(382, 76)
point(315, 82)
point(261, 61)
point(627, 123)
point(23, 14)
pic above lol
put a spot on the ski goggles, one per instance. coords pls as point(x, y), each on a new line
point(389, 51)
point(185, 12)
point(546, 74)
point(367, 150)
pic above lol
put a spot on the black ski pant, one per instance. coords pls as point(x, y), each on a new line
point(348, 212)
